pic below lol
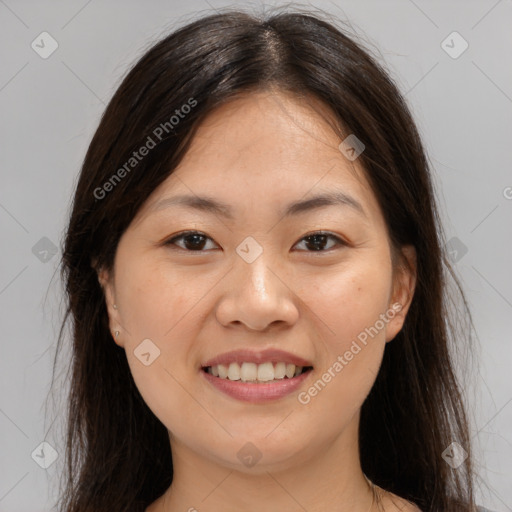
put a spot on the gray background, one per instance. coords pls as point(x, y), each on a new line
point(51, 107)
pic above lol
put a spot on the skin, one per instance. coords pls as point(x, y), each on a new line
point(259, 153)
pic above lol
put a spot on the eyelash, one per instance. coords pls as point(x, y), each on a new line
point(184, 234)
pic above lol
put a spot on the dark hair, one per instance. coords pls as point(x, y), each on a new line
point(118, 454)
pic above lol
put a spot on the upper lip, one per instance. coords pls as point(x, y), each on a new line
point(258, 357)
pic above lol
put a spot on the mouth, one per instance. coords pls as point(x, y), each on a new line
point(257, 376)
point(262, 373)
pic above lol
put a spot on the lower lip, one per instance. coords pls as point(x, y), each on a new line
point(257, 393)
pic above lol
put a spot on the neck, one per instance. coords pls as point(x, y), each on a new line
point(330, 479)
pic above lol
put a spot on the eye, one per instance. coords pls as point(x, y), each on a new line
point(195, 241)
point(318, 240)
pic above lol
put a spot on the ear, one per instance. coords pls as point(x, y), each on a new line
point(106, 281)
point(404, 283)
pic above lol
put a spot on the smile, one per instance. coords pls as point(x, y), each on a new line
point(259, 373)
point(271, 387)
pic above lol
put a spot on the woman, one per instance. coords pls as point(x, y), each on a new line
point(254, 270)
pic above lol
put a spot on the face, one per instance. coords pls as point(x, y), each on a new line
point(314, 281)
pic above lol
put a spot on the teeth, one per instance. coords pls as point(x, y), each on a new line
point(279, 370)
point(252, 372)
point(248, 371)
point(234, 372)
point(265, 372)
point(223, 371)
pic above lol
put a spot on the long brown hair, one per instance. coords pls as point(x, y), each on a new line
point(118, 455)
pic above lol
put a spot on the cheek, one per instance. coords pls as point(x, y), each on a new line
point(349, 304)
point(154, 300)
point(156, 306)
point(348, 301)
point(161, 304)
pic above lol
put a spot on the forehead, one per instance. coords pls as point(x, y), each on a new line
point(266, 148)
point(269, 132)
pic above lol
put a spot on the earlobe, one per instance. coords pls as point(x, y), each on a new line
point(107, 285)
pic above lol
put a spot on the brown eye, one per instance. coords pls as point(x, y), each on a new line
point(317, 241)
point(192, 241)
point(195, 241)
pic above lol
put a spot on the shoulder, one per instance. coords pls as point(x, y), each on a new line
point(393, 503)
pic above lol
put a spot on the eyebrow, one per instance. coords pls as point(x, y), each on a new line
point(210, 205)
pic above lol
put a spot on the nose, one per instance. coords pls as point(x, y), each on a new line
point(257, 296)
